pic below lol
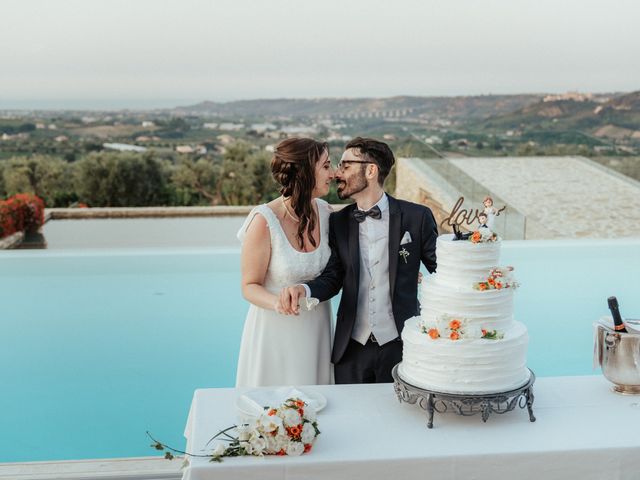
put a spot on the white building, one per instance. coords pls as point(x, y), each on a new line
point(124, 147)
point(231, 127)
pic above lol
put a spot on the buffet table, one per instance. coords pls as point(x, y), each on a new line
point(583, 431)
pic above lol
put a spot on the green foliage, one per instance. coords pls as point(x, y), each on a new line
point(117, 179)
point(195, 182)
point(3, 190)
point(242, 177)
point(46, 177)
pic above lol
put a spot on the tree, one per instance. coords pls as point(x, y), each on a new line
point(47, 177)
point(122, 179)
point(243, 177)
point(3, 191)
point(197, 180)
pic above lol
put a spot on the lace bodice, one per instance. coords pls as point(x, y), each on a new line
point(288, 266)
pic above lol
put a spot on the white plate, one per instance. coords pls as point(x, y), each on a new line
point(252, 403)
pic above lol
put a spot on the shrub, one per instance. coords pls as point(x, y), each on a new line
point(21, 212)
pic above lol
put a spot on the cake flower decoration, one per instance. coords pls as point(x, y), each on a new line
point(404, 253)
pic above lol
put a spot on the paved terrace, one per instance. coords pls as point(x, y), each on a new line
point(569, 196)
point(561, 197)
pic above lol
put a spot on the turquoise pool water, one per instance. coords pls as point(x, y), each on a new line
point(98, 346)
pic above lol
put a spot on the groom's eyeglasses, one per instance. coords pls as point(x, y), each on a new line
point(342, 163)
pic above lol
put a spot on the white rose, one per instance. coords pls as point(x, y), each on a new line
point(308, 433)
point(219, 450)
point(269, 423)
point(258, 445)
point(291, 417)
point(244, 432)
point(247, 447)
point(295, 449)
point(270, 444)
point(310, 413)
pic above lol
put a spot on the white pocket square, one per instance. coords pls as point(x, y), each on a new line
point(406, 238)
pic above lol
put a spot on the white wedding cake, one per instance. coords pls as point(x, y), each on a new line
point(466, 340)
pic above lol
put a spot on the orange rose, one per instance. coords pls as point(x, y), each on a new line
point(433, 333)
point(299, 403)
point(490, 281)
point(295, 430)
point(482, 286)
point(475, 238)
point(498, 285)
point(454, 336)
point(272, 412)
point(454, 324)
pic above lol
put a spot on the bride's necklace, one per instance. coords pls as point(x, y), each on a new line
point(297, 220)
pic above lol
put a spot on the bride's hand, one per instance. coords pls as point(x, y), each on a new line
point(279, 308)
point(289, 297)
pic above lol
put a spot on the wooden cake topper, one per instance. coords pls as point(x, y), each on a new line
point(460, 216)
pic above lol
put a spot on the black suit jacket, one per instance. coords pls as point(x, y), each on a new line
point(343, 268)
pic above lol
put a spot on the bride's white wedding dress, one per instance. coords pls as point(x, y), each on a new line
point(287, 350)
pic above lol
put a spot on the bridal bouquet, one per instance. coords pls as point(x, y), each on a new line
point(289, 429)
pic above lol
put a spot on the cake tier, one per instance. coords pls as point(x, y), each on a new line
point(462, 263)
point(466, 365)
point(489, 309)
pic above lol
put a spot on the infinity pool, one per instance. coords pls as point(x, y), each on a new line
point(97, 346)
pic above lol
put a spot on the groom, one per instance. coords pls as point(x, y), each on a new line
point(377, 244)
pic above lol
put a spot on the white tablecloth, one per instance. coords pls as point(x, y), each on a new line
point(583, 431)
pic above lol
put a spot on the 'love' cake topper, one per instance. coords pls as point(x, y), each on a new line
point(460, 216)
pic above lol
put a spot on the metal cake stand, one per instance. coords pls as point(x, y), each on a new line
point(465, 404)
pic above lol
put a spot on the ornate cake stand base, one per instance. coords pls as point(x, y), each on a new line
point(466, 404)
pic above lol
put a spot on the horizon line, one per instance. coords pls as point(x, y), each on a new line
point(171, 104)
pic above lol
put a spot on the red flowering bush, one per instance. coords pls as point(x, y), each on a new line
point(21, 212)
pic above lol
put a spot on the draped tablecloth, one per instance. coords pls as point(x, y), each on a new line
point(583, 431)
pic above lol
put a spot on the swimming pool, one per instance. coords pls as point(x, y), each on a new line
point(98, 346)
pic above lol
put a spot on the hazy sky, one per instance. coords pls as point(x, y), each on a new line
point(135, 53)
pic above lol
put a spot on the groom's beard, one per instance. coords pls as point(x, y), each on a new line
point(355, 185)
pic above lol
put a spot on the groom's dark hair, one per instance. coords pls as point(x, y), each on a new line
point(375, 152)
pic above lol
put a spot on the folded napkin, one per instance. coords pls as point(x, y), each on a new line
point(256, 400)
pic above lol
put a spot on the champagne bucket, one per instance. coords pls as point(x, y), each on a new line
point(619, 356)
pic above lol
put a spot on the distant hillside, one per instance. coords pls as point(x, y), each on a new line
point(452, 108)
point(617, 117)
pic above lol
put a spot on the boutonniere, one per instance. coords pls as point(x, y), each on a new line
point(404, 253)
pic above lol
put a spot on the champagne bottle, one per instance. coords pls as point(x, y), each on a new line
point(618, 324)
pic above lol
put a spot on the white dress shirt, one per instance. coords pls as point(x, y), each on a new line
point(375, 313)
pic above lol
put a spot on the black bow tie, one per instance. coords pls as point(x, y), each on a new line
point(361, 215)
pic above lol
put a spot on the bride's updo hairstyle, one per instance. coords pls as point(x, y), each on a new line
point(293, 167)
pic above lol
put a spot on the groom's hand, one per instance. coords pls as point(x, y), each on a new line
point(289, 298)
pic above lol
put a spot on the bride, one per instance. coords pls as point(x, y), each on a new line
point(286, 242)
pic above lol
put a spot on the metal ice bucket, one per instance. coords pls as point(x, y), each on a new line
point(619, 356)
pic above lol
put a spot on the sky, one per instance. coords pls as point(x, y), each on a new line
point(162, 53)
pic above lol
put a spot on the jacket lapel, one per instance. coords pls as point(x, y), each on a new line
point(395, 227)
point(354, 247)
